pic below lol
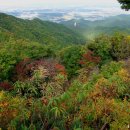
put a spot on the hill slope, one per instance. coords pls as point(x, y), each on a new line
point(110, 25)
point(38, 30)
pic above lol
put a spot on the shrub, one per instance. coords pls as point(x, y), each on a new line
point(70, 58)
point(101, 47)
point(6, 86)
point(38, 77)
point(26, 68)
point(109, 69)
point(120, 47)
point(7, 63)
point(89, 59)
point(12, 110)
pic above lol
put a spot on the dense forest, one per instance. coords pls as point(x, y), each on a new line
point(39, 31)
point(51, 79)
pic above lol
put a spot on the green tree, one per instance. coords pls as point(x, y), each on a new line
point(70, 57)
point(125, 4)
point(120, 47)
point(101, 46)
point(7, 62)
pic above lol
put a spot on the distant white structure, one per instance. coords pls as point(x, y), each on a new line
point(75, 24)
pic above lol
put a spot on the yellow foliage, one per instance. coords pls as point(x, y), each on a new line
point(100, 82)
point(124, 75)
point(128, 38)
point(1, 94)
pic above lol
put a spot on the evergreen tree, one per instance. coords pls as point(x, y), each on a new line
point(125, 4)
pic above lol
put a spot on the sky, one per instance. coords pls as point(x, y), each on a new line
point(18, 4)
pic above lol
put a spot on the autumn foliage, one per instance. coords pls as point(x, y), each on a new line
point(25, 68)
point(80, 88)
point(89, 57)
point(6, 86)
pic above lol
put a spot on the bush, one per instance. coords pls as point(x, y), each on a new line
point(120, 47)
point(109, 69)
point(28, 68)
point(5, 86)
point(101, 46)
point(39, 77)
point(70, 58)
point(12, 111)
point(7, 63)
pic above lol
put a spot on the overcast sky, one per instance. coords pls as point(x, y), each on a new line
point(9, 4)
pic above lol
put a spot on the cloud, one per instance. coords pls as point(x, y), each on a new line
point(28, 15)
point(93, 13)
point(54, 3)
point(68, 16)
point(57, 15)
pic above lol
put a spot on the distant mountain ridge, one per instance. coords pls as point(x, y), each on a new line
point(38, 30)
point(71, 31)
point(64, 14)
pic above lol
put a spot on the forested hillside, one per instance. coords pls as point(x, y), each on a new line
point(58, 85)
point(39, 31)
point(92, 29)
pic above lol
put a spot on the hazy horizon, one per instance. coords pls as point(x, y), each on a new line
point(39, 4)
point(74, 9)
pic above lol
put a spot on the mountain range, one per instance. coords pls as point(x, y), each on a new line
point(81, 23)
point(65, 14)
point(39, 31)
